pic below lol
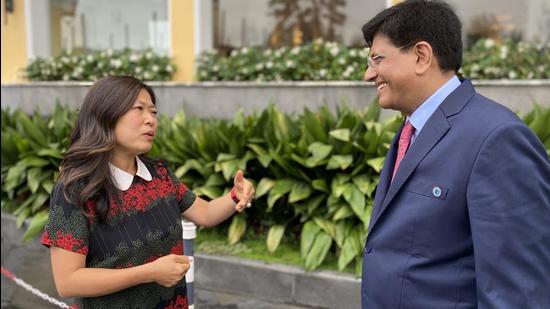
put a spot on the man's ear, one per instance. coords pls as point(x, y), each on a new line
point(424, 52)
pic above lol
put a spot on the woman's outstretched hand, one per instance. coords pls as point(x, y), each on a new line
point(245, 191)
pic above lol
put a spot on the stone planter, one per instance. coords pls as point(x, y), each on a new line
point(222, 99)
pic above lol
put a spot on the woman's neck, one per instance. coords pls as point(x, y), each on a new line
point(125, 163)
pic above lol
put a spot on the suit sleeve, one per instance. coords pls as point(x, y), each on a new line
point(509, 208)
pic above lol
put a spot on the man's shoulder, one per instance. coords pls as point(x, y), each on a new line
point(488, 113)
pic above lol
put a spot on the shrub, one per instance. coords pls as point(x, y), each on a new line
point(332, 61)
point(145, 65)
point(315, 172)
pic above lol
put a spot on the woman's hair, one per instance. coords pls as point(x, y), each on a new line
point(85, 171)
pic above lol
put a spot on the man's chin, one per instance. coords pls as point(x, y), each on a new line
point(384, 104)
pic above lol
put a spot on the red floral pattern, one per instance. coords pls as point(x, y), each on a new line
point(65, 241)
point(179, 303)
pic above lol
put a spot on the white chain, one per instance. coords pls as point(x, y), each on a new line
point(37, 292)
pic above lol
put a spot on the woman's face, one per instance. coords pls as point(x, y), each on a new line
point(136, 129)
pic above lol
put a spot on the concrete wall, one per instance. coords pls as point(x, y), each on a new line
point(221, 100)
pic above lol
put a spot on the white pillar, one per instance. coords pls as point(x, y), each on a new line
point(38, 28)
point(203, 26)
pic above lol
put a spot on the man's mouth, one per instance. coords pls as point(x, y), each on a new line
point(380, 86)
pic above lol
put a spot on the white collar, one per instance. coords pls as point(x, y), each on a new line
point(123, 180)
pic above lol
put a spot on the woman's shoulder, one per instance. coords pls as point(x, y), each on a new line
point(157, 167)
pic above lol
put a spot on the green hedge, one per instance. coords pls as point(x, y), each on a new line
point(320, 60)
point(145, 65)
point(315, 172)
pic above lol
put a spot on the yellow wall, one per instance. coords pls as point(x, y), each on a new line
point(182, 39)
point(14, 46)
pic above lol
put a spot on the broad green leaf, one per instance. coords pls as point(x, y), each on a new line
point(36, 225)
point(342, 213)
point(47, 184)
point(23, 215)
point(326, 225)
point(264, 186)
point(309, 231)
point(191, 164)
point(33, 162)
point(352, 248)
point(376, 163)
point(15, 174)
point(262, 155)
point(320, 185)
point(314, 202)
point(363, 183)
point(341, 134)
point(236, 229)
point(274, 237)
point(366, 216)
point(280, 188)
point(343, 229)
point(41, 198)
point(319, 249)
point(50, 152)
point(211, 192)
point(319, 150)
point(355, 199)
point(215, 180)
point(299, 191)
point(33, 178)
point(33, 130)
point(339, 161)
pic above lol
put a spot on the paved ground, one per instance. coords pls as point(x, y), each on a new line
point(31, 263)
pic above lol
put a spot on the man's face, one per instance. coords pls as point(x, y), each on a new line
point(392, 69)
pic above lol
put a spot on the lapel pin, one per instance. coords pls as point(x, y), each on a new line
point(436, 191)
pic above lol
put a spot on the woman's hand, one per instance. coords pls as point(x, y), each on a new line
point(170, 269)
point(245, 191)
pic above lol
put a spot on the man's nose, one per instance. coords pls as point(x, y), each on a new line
point(370, 75)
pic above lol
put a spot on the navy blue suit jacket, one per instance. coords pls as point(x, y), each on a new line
point(466, 221)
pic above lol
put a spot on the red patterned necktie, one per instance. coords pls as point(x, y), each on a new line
point(404, 143)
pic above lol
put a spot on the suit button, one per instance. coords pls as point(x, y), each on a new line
point(368, 248)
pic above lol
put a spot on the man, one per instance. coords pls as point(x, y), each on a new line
point(461, 217)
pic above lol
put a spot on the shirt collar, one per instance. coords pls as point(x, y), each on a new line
point(123, 180)
point(421, 115)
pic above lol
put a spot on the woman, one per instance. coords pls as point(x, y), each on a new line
point(114, 228)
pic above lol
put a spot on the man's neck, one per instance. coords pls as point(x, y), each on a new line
point(429, 86)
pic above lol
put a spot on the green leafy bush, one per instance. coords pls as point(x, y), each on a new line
point(332, 61)
point(315, 172)
point(145, 65)
point(488, 59)
point(318, 60)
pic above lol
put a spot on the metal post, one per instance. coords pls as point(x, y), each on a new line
point(189, 234)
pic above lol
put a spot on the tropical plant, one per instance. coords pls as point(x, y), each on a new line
point(32, 148)
point(315, 172)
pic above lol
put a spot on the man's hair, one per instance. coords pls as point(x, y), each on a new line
point(413, 21)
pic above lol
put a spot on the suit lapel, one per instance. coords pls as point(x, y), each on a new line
point(385, 177)
point(432, 132)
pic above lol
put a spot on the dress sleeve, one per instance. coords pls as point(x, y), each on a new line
point(67, 226)
point(184, 195)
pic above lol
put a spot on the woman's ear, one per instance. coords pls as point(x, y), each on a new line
point(424, 52)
